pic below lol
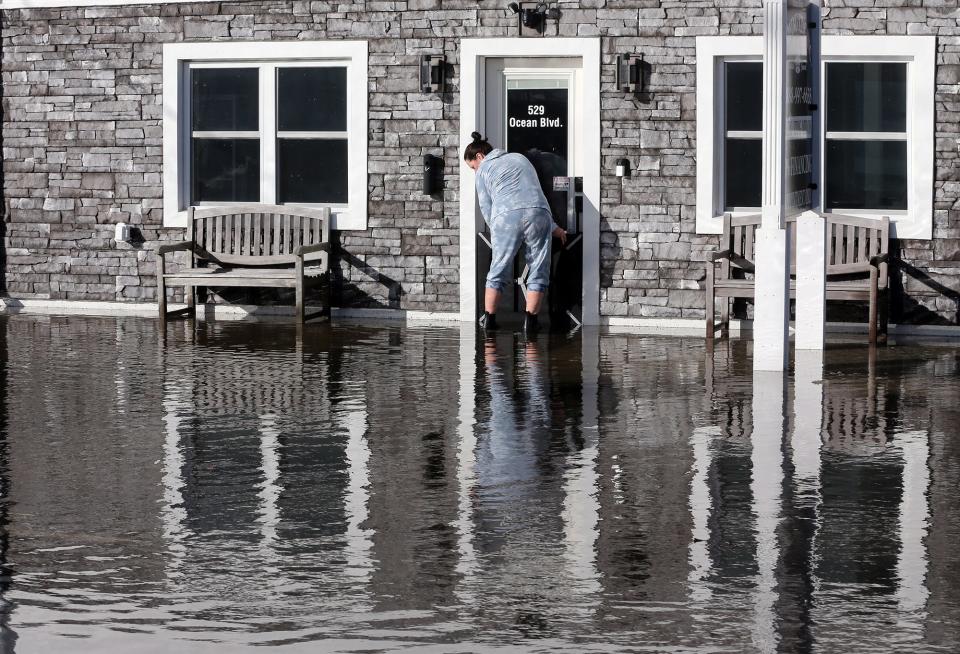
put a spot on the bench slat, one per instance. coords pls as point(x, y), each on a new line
point(275, 242)
point(851, 231)
point(257, 227)
point(317, 213)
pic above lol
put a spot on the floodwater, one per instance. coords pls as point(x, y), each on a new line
point(225, 487)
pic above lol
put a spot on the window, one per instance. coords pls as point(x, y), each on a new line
point(743, 134)
point(266, 123)
point(866, 136)
point(225, 143)
point(877, 125)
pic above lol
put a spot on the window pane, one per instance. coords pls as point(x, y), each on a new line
point(312, 99)
point(225, 99)
point(866, 175)
point(225, 170)
point(866, 97)
point(312, 170)
point(743, 172)
point(744, 95)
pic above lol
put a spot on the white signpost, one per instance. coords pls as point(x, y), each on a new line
point(811, 246)
point(788, 158)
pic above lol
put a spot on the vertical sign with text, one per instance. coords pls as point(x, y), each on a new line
point(798, 151)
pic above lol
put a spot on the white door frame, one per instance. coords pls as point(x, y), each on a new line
point(472, 55)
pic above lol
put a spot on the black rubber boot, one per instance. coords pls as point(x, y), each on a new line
point(531, 323)
point(488, 321)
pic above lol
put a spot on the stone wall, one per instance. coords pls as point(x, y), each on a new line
point(82, 142)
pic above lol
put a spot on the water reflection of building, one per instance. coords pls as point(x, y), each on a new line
point(647, 421)
point(8, 637)
point(590, 481)
point(847, 479)
point(260, 465)
point(939, 407)
point(81, 450)
point(412, 438)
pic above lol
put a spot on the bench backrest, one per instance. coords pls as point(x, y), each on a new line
point(739, 236)
point(851, 242)
point(258, 234)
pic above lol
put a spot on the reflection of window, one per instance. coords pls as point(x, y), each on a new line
point(743, 133)
point(266, 123)
point(866, 135)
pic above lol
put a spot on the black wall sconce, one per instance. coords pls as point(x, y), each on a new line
point(623, 168)
point(630, 73)
point(431, 73)
point(532, 17)
point(432, 174)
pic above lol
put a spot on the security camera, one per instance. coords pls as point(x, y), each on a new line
point(531, 17)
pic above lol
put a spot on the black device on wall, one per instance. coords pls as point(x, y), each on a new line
point(534, 17)
point(630, 73)
point(431, 73)
point(432, 174)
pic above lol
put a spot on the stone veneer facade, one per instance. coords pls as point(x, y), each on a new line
point(82, 143)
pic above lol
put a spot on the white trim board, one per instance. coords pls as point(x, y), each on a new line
point(10, 305)
point(177, 56)
point(472, 55)
point(618, 324)
point(42, 4)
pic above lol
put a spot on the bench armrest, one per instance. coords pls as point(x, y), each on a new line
point(735, 259)
point(880, 258)
point(301, 250)
point(174, 247)
point(189, 246)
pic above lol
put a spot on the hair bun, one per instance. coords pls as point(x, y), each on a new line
point(476, 136)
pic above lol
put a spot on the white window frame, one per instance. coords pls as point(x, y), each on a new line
point(920, 55)
point(918, 52)
point(712, 53)
point(180, 58)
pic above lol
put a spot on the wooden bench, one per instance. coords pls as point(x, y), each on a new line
point(250, 245)
point(858, 251)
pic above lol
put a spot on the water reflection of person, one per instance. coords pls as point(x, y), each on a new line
point(513, 447)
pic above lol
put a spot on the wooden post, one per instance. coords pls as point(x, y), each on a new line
point(300, 308)
point(161, 289)
point(709, 302)
point(874, 283)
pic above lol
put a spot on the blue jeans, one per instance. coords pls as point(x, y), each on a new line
point(508, 231)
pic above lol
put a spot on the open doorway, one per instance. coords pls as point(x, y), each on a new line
point(540, 99)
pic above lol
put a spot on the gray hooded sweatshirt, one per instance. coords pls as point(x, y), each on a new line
point(507, 181)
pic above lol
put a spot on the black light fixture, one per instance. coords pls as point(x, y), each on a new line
point(623, 168)
point(431, 73)
point(533, 17)
point(630, 73)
